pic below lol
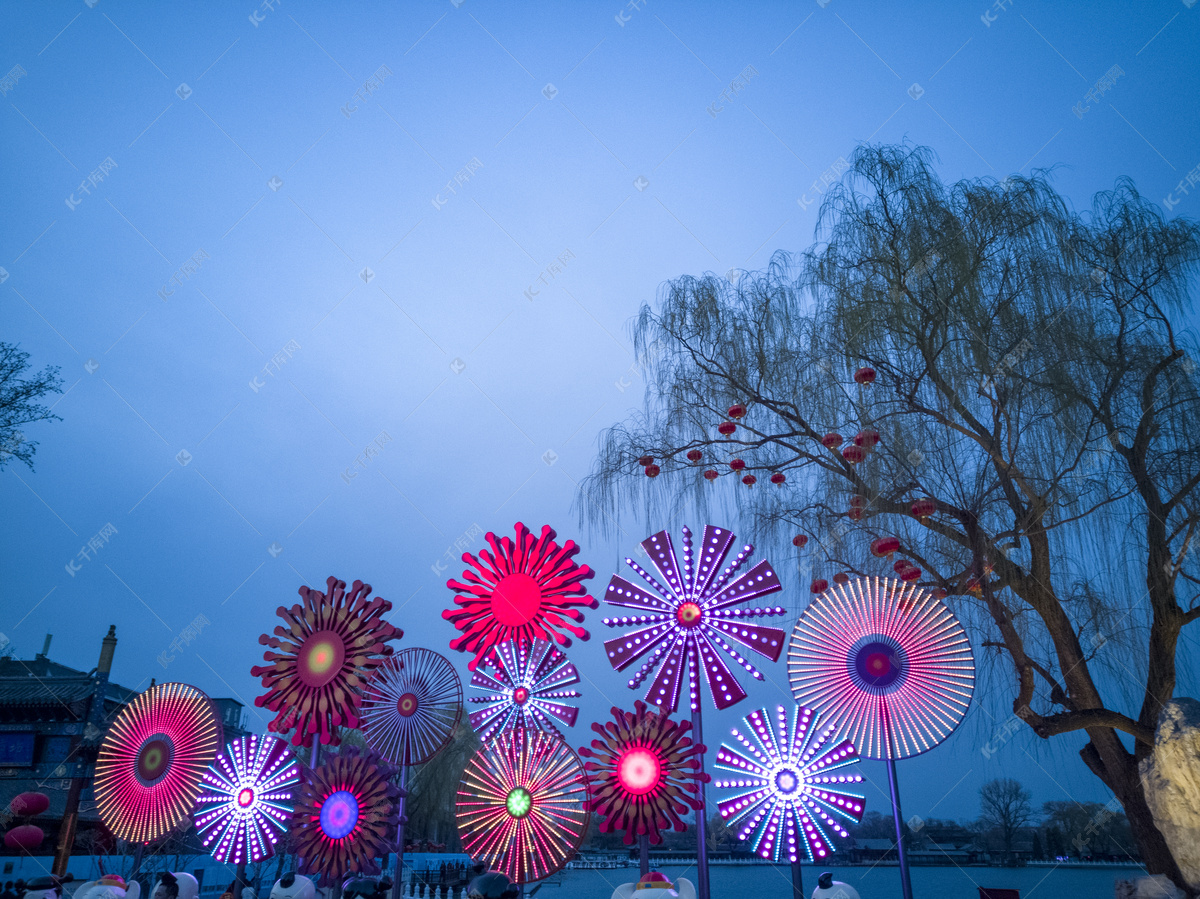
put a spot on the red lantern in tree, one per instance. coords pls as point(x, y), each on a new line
point(841, 578)
point(652, 471)
point(940, 593)
point(25, 836)
point(923, 508)
point(865, 376)
point(866, 439)
point(901, 564)
point(854, 454)
point(884, 546)
point(737, 410)
point(831, 441)
point(737, 464)
point(749, 480)
point(858, 501)
point(910, 574)
point(820, 585)
point(799, 540)
point(778, 477)
point(855, 513)
point(645, 460)
point(710, 475)
point(694, 455)
point(726, 428)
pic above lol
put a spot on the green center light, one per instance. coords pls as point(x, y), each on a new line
point(519, 802)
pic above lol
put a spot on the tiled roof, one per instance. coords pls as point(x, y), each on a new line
point(33, 691)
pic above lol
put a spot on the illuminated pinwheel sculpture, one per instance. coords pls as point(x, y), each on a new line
point(327, 651)
point(695, 614)
point(522, 805)
point(411, 706)
point(524, 688)
point(245, 800)
point(646, 773)
point(152, 760)
point(787, 788)
point(890, 666)
point(346, 815)
point(524, 589)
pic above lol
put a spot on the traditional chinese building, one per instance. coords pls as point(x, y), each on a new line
point(52, 720)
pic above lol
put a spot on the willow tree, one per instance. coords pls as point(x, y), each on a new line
point(1031, 395)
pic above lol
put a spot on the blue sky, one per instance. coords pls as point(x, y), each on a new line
point(260, 240)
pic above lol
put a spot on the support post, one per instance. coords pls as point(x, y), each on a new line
point(644, 855)
point(239, 882)
point(897, 818)
point(702, 890)
point(797, 881)
point(398, 873)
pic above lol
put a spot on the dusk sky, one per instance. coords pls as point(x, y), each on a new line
point(336, 289)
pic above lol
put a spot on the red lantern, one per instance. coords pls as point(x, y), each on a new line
point(652, 471)
point(737, 464)
point(974, 587)
point(799, 540)
point(854, 454)
point(778, 477)
point(749, 480)
point(25, 836)
point(841, 578)
point(710, 475)
point(855, 513)
point(737, 410)
point(694, 455)
point(831, 441)
point(865, 376)
point(923, 508)
point(884, 546)
point(866, 439)
point(858, 501)
point(910, 574)
point(645, 460)
point(726, 428)
point(940, 593)
point(29, 804)
point(820, 585)
point(901, 565)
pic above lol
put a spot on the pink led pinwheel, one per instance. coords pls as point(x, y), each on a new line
point(524, 687)
point(245, 799)
point(346, 815)
point(524, 589)
point(691, 617)
point(411, 706)
point(646, 773)
point(787, 788)
point(522, 805)
point(326, 653)
point(152, 759)
point(888, 663)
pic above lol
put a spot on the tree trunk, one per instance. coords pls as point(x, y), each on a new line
point(1117, 768)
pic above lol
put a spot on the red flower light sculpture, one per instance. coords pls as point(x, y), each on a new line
point(526, 682)
point(246, 799)
point(411, 706)
point(645, 774)
point(524, 589)
point(329, 648)
point(786, 789)
point(692, 617)
point(887, 662)
point(152, 759)
point(346, 819)
point(522, 805)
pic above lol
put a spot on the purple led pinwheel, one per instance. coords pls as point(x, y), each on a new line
point(685, 622)
point(887, 662)
point(788, 789)
point(524, 684)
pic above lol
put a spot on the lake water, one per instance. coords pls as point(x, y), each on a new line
point(775, 882)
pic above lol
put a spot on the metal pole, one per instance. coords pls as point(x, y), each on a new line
point(399, 872)
point(702, 890)
point(240, 883)
point(644, 854)
point(797, 881)
point(894, 790)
